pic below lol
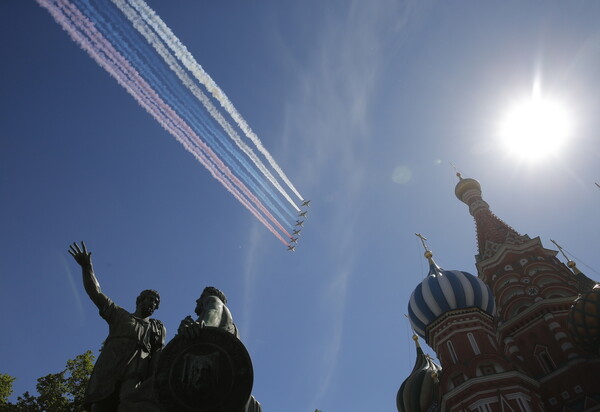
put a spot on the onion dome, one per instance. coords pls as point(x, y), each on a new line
point(419, 392)
point(491, 230)
point(584, 320)
point(443, 291)
point(466, 185)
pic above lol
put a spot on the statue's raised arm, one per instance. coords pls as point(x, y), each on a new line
point(90, 283)
point(130, 351)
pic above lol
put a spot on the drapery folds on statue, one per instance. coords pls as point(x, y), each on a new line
point(129, 353)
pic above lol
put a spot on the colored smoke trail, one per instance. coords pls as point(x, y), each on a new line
point(194, 67)
point(147, 32)
point(180, 125)
point(84, 33)
point(144, 59)
point(146, 29)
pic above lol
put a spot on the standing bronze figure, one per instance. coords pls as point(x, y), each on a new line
point(131, 349)
point(213, 313)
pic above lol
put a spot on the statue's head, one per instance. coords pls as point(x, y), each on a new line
point(209, 291)
point(147, 302)
point(212, 291)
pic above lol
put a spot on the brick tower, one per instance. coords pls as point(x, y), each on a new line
point(524, 353)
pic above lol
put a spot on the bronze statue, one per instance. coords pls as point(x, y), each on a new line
point(131, 349)
point(212, 311)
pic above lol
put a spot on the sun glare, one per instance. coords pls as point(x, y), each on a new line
point(535, 128)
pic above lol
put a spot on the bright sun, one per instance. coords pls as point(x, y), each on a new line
point(535, 128)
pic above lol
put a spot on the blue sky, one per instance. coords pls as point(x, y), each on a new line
point(345, 95)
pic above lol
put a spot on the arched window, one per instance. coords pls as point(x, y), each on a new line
point(547, 360)
point(544, 359)
point(473, 343)
point(452, 352)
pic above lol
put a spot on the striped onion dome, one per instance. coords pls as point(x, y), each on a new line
point(443, 291)
point(419, 392)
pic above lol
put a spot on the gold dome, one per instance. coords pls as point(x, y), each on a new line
point(464, 185)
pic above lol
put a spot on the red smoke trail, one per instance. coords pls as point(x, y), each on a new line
point(172, 115)
point(108, 58)
point(196, 69)
point(153, 39)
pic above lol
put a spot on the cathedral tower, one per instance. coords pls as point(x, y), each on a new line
point(523, 335)
point(534, 293)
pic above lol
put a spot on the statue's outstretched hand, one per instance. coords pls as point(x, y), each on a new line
point(81, 255)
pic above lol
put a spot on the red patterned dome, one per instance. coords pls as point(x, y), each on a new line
point(584, 320)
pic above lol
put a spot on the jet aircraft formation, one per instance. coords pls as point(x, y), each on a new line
point(291, 247)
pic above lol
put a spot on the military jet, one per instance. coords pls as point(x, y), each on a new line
point(291, 248)
point(299, 223)
point(306, 203)
point(296, 232)
point(303, 214)
point(294, 240)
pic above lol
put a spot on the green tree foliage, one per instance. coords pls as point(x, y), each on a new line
point(79, 371)
point(25, 403)
point(58, 392)
point(6, 388)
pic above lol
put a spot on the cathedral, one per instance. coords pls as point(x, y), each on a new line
point(521, 336)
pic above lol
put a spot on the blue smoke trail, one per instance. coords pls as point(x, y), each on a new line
point(190, 63)
point(172, 63)
point(118, 30)
point(85, 34)
point(177, 58)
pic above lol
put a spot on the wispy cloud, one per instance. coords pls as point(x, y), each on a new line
point(329, 112)
point(251, 260)
point(73, 286)
point(334, 82)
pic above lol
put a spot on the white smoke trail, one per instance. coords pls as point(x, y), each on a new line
point(204, 78)
point(134, 52)
point(215, 158)
point(143, 28)
point(78, 27)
